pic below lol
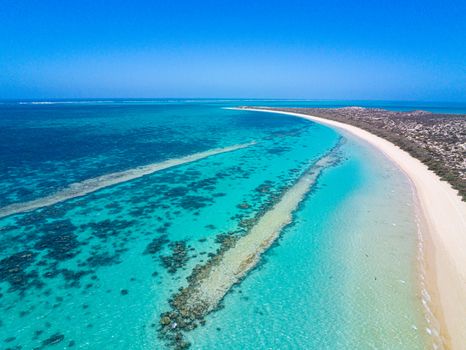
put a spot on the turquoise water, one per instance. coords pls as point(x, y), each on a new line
point(342, 275)
point(96, 271)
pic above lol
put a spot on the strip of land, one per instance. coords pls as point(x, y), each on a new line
point(444, 231)
point(236, 262)
point(437, 140)
point(91, 185)
point(209, 283)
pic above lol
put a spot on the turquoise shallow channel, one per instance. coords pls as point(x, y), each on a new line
point(95, 270)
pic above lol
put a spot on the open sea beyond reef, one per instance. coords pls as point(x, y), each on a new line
point(107, 206)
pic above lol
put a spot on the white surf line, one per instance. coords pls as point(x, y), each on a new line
point(85, 187)
point(237, 261)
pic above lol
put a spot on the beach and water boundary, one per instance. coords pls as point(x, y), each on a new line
point(442, 220)
point(387, 311)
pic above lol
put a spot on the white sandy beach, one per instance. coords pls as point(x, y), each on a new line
point(443, 233)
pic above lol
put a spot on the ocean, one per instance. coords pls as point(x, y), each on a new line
point(109, 207)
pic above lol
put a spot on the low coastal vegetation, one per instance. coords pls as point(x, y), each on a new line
point(437, 140)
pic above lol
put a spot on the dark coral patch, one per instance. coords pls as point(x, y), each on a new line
point(13, 270)
point(59, 240)
point(177, 191)
point(54, 339)
point(103, 259)
point(72, 278)
point(109, 228)
point(195, 202)
point(156, 245)
point(178, 258)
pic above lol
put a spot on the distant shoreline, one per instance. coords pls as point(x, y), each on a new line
point(443, 230)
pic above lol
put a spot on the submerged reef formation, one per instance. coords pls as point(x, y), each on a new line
point(437, 140)
point(178, 257)
point(91, 185)
point(236, 256)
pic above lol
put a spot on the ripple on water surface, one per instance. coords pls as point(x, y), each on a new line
point(98, 270)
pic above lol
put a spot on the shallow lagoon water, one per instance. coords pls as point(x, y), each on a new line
point(96, 271)
point(342, 276)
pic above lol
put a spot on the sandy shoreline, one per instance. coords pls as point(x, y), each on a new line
point(443, 229)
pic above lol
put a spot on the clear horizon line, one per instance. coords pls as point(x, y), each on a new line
point(28, 99)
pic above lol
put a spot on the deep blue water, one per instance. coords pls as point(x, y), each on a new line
point(96, 271)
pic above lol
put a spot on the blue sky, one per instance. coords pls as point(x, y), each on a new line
point(407, 50)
